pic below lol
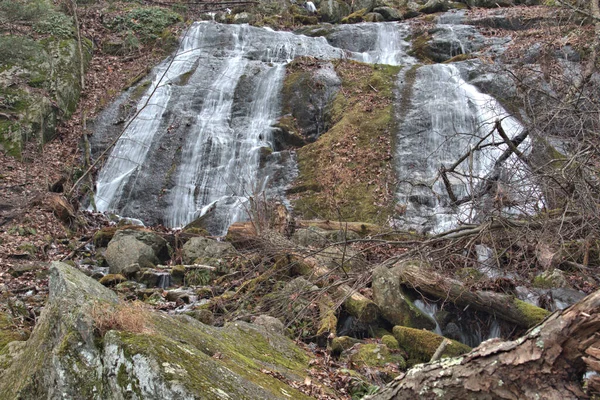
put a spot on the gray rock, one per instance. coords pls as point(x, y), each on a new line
point(271, 324)
point(168, 358)
point(374, 17)
point(395, 306)
point(241, 18)
point(205, 249)
point(333, 10)
point(388, 13)
point(131, 246)
point(308, 99)
point(310, 237)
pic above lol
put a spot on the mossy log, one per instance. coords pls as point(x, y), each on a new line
point(416, 274)
point(550, 359)
point(362, 228)
point(421, 345)
point(355, 304)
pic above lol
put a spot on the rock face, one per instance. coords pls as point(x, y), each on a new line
point(129, 247)
point(51, 67)
point(172, 358)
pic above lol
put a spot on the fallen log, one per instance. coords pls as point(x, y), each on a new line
point(355, 304)
point(549, 360)
point(416, 274)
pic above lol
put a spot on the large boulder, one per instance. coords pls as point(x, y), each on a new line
point(73, 354)
point(395, 306)
point(333, 10)
point(201, 249)
point(132, 246)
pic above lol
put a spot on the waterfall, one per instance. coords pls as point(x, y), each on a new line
point(129, 153)
point(200, 142)
point(390, 46)
point(445, 119)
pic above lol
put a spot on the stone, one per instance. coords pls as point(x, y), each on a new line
point(307, 94)
point(112, 279)
point(375, 355)
point(374, 17)
point(333, 10)
point(554, 278)
point(204, 316)
point(434, 6)
point(310, 237)
point(166, 358)
point(388, 13)
point(132, 246)
point(241, 18)
point(201, 248)
point(271, 324)
point(395, 306)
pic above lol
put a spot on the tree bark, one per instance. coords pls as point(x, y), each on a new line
point(547, 362)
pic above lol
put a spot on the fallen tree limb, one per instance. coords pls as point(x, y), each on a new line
point(355, 304)
point(416, 275)
point(550, 360)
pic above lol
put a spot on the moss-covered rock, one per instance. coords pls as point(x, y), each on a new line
point(51, 64)
point(346, 172)
point(420, 345)
point(376, 355)
point(390, 341)
point(339, 344)
point(333, 10)
point(112, 279)
point(161, 357)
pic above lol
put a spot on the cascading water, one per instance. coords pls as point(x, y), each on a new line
point(200, 142)
point(442, 121)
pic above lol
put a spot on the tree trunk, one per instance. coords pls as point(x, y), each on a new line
point(548, 362)
point(506, 307)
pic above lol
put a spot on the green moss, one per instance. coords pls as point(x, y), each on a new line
point(376, 355)
point(344, 173)
point(390, 341)
point(420, 345)
point(185, 351)
point(420, 48)
point(339, 344)
point(532, 315)
point(112, 279)
point(8, 331)
point(458, 58)
point(355, 17)
point(104, 236)
point(139, 91)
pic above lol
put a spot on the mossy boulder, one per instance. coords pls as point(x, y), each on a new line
point(554, 278)
point(394, 304)
point(171, 357)
point(112, 279)
point(51, 64)
point(201, 249)
point(420, 345)
point(375, 355)
point(333, 10)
